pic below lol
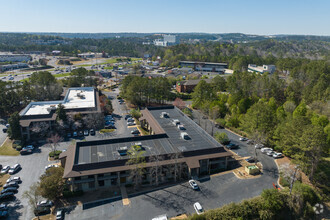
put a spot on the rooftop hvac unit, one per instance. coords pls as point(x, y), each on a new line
point(184, 135)
point(175, 122)
point(164, 115)
point(181, 127)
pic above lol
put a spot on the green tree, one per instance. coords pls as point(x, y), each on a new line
point(221, 137)
point(202, 92)
point(14, 130)
point(52, 183)
point(61, 113)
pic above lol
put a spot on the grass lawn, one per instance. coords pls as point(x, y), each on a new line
point(61, 75)
point(7, 149)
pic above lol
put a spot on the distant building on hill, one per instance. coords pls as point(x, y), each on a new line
point(90, 55)
point(167, 40)
point(261, 69)
point(204, 66)
point(15, 58)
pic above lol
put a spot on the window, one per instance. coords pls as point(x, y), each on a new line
point(122, 172)
point(91, 177)
point(114, 182)
point(77, 178)
point(101, 182)
point(91, 185)
point(100, 175)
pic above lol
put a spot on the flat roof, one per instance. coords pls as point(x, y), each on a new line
point(82, 97)
point(198, 62)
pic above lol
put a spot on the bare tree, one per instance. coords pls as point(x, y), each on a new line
point(156, 169)
point(138, 162)
point(33, 195)
point(54, 141)
point(176, 168)
point(179, 103)
point(95, 121)
point(40, 128)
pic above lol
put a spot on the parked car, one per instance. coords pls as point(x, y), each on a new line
point(86, 133)
point(130, 123)
point(270, 153)
point(135, 131)
point(198, 208)
point(193, 184)
point(250, 160)
point(232, 146)
point(5, 169)
point(29, 147)
point(277, 155)
point(259, 146)
point(41, 210)
point(25, 151)
point(14, 169)
point(68, 135)
point(92, 132)
point(249, 141)
point(243, 139)
point(59, 215)
point(130, 120)
point(265, 150)
point(15, 179)
point(3, 207)
point(80, 133)
point(45, 203)
point(3, 214)
point(4, 130)
point(219, 126)
point(9, 189)
point(127, 117)
point(11, 184)
point(75, 134)
point(7, 195)
point(50, 166)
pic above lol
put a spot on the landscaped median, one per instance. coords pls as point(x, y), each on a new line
point(103, 131)
point(7, 148)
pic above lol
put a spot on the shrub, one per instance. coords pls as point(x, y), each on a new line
point(18, 147)
point(68, 194)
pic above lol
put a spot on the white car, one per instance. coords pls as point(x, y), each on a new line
point(259, 146)
point(14, 169)
point(277, 155)
point(198, 208)
point(193, 184)
point(265, 150)
point(15, 179)
point(270, 153)
point(243, 139)
point(50, 166)
point(5, 169)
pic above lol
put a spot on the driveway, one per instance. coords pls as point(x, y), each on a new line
point(3, 135)
point(33, 166)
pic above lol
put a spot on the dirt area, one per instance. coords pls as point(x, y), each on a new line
point(3, 179)
point(183, 216)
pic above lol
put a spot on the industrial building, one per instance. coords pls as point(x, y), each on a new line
point(261, 69)
point(204, 66)
point(176, 147)
point(83, 100)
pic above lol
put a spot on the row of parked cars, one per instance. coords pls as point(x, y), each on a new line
point(10, 170)
point(81, 133)
point(266, 150)
point(109, 122)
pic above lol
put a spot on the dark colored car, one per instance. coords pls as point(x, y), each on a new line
point(25, 151)
point(3, 214)
point(232, 146)
point(92, 132)
point(127, 116)
point(81, 133)
point(3, 207)
point(250, 160)
point(9, 189)
point(4, 130)
point(6, 196)
point(219, 126)
point(135, 132)
point(10, 184)
point(41, 210)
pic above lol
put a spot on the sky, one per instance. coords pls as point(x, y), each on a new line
point(263, 17)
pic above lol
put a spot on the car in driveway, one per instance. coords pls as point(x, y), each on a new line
point(11, 184)
point(193, 184)
point(9, 189)
point(198, 208)
point(14, 169)
point(277, 155)
point(5, 169)
point(15, 179)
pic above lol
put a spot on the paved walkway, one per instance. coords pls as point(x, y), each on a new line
point(124, 195)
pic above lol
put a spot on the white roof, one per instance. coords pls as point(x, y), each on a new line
point(82, 97)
